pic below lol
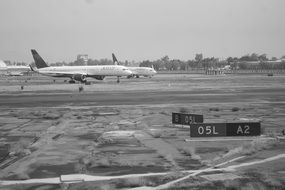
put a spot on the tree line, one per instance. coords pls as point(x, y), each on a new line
point(250, 61)
point(253, 61)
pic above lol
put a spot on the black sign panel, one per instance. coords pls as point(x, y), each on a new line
point(208, 130)
point(186, 119)
point(243, 129)
point(176, 118)
point(225, 129)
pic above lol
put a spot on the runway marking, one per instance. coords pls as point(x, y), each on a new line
point(227, 162)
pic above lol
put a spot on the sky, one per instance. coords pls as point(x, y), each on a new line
point(140, 29)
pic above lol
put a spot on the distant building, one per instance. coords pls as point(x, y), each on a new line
point(82, 57)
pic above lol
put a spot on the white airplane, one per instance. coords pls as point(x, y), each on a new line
point(137, 71)
point(226, 68)
point(3, 67)
point(79, 73)
point(12, 70)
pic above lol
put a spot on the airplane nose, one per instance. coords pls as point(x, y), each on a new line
point(129, 72)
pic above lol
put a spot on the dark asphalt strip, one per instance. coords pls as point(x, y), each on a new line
point(126, 98)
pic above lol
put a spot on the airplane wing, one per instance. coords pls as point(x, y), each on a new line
point(32, 69)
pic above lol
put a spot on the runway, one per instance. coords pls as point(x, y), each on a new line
point(137, 98)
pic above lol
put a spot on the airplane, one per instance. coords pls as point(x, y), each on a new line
point(9, 73)
point(12, 70)
point(3, 67)
point(226, 68)
point(79, 73)
point(137, 71)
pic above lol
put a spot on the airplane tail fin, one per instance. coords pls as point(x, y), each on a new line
point(115, 61)
point(40, 63)
point(2, 64)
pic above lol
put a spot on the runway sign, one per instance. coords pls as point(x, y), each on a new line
point(186, 119)
point(225, 129)
point(208, 130)
point(243, 129)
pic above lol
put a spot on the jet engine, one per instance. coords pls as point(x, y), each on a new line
point(131, 76)
point(99, 77)
point(81, 78)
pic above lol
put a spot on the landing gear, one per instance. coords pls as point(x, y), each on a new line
point(118, 79)
point(83, 82)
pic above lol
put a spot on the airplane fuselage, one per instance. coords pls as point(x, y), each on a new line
point(12, 70)
point(137, 71)
point(142, 71)
point(88, 71)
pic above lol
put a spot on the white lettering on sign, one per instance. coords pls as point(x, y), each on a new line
point(190, 119)
point(208, 130)
point(200, 130)
point(176, 118)
point(214, 131)
point(243, 130)
point(246, 131)
point(186, 119)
